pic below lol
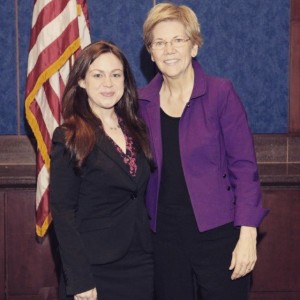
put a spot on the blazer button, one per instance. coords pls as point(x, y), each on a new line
point(133, 196)
point(224, 175)
point(228, 188)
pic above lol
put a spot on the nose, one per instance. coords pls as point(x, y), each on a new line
point(107, 81)
point(169, 48)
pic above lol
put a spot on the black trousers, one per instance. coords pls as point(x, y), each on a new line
point(130, 277)
point(190, 265)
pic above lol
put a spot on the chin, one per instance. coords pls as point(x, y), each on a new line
point(172, 74)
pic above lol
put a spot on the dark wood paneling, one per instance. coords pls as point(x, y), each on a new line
point(275, 296)
point(48, 293)
point(17, 149)
point(31, 270)
point(2, 246)
point(294, 80)
point(278, 262)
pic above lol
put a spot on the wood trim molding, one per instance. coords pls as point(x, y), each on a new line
point(294, 68)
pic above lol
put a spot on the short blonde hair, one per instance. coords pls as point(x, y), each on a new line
point(172, 12)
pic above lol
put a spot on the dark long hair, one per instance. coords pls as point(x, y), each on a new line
point(81, 124)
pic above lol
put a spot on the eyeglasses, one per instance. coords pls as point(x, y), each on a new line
point(175, 42)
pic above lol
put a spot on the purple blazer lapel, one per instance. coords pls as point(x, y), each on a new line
point(152, 119)
point(150, 112)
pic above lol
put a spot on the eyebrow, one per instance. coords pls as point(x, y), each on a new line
point(114, 70)
point(174, 37)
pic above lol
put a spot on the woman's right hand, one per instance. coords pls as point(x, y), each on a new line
point(88, 295)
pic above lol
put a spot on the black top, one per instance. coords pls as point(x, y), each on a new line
point(173, 193)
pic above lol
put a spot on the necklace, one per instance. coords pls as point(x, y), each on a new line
point(115, 127)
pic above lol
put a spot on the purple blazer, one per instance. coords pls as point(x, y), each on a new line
point(217, 153)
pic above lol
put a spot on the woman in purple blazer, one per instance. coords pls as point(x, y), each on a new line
point(204, 198)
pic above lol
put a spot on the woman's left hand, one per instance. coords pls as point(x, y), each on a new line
point(244, 254)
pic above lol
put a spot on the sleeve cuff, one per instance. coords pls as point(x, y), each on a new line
point(249, 216)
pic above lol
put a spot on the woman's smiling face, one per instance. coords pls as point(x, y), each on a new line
point(172, 61)
point(104, 82)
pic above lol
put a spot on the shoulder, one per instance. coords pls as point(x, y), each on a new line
point(205, 84)
point(142, 90)
point(223, 97)
point(221, 84)
point(59, 150)
point(151, 90)
point(219, 94)
point(59, 135)
point(220, 89)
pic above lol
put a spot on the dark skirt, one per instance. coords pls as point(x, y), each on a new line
point(130, 277)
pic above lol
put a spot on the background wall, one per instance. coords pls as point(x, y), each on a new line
point(245, 41)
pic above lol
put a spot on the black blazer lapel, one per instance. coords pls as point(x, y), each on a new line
point(106, 146)
point(143, 169)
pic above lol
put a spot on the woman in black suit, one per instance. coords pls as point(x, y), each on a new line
point(100, 164)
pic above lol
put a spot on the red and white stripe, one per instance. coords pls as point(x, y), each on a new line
point(60, 29)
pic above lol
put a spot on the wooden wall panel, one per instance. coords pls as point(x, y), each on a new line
point(2, 246)
point(275, 296)
point(31, 271)
point(294, 80)
point(278, 262)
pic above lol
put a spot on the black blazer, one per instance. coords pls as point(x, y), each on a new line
point(95, 212)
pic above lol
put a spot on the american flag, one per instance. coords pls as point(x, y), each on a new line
point(59, 30)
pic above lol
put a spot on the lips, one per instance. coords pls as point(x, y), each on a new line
point(170, 61)
point(107, 94)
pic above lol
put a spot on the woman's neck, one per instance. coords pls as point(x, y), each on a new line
point(175, 94)
point(178, 89)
